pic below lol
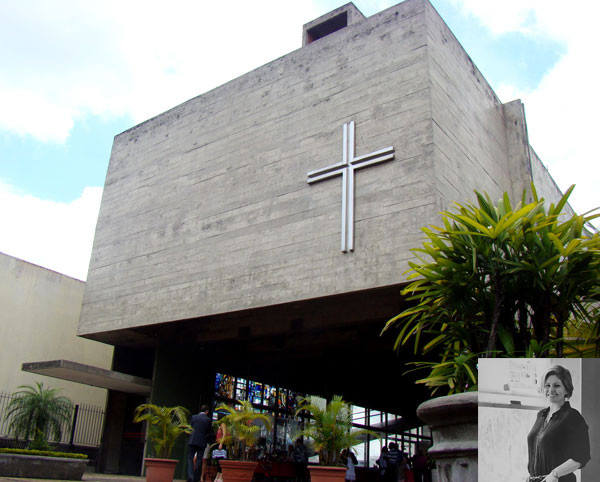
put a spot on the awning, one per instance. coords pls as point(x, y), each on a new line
point(89, 375)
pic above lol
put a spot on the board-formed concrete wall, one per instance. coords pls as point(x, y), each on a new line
point(206, 208)
point(38, 322)
point(468, 124)
point(545, 185)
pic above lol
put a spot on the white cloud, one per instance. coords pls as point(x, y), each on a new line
point(57, 236)
point(561, 111)
point(27, 112)
point(512, 15)
point(68, 58)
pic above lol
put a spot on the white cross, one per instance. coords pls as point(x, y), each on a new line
point(346, 168)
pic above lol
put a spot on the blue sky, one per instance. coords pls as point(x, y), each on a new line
point(74, 74)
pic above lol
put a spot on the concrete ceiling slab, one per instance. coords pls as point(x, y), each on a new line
point(90, 375)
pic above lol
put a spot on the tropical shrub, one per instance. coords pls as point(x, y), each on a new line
point(243, 428)
point(39, 412)
point(501, 281)
point(165, 425)
point(43, 453)
point(330, 429)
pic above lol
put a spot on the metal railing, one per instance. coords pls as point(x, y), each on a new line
point(84, 428)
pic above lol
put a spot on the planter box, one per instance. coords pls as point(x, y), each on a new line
point(324, 473)
point(160, 470)
point(39, 467)
point(237, 470)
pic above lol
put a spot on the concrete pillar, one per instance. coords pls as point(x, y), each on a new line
point(453, 423)
point(121, 448)
point(110, 449)
point(182, 376)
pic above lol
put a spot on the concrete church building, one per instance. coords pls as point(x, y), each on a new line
point(261, 229)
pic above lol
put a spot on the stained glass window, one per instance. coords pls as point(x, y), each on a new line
point(224, 385)
point(282, 403)
point(293, 400)
point(241, 391)
point(255, 392)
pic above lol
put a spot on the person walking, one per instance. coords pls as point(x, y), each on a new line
point(202, 427)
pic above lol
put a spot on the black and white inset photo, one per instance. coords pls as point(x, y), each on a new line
point(539, 419)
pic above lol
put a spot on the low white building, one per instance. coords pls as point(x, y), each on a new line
point(39, 314)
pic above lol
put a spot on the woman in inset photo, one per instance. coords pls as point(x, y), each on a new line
point(558, 442)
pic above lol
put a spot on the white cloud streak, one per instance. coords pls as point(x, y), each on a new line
point(57, 236)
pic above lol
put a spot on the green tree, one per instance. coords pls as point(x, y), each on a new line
point(165, 425)
point(40, 412)
point(331, 429)
point(501, 281)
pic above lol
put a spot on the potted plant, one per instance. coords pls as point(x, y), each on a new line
point(241, 434)
point(165, 425)
point(330, 429)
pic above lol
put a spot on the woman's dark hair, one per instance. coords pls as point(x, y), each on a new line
point(563, 374)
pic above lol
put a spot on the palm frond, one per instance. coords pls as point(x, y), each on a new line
point(165, 425)
point(38, 410)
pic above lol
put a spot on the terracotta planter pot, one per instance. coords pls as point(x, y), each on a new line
point(453, 423)
point(237, 470)
point(326, 473)
point(160, 470)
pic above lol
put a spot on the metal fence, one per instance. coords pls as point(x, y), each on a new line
point(85, 427)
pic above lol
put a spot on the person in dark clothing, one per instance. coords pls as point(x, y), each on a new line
point(419, 464)
point(395, 463)
point(300, 460)
point(202, 427)
point(558, 443)
point(382, 462)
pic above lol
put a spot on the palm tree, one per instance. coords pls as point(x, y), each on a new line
point(38, 411)
point(242, 430)
point(165, 425)
point(331, 429)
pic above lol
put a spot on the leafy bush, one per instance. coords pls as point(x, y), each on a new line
point(43, 453)
point(165, 425)
point(242, 429)
point(330, 429)
point(501, 281)
point(38, 411)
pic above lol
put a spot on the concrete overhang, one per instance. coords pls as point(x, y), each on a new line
point(89, 375)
